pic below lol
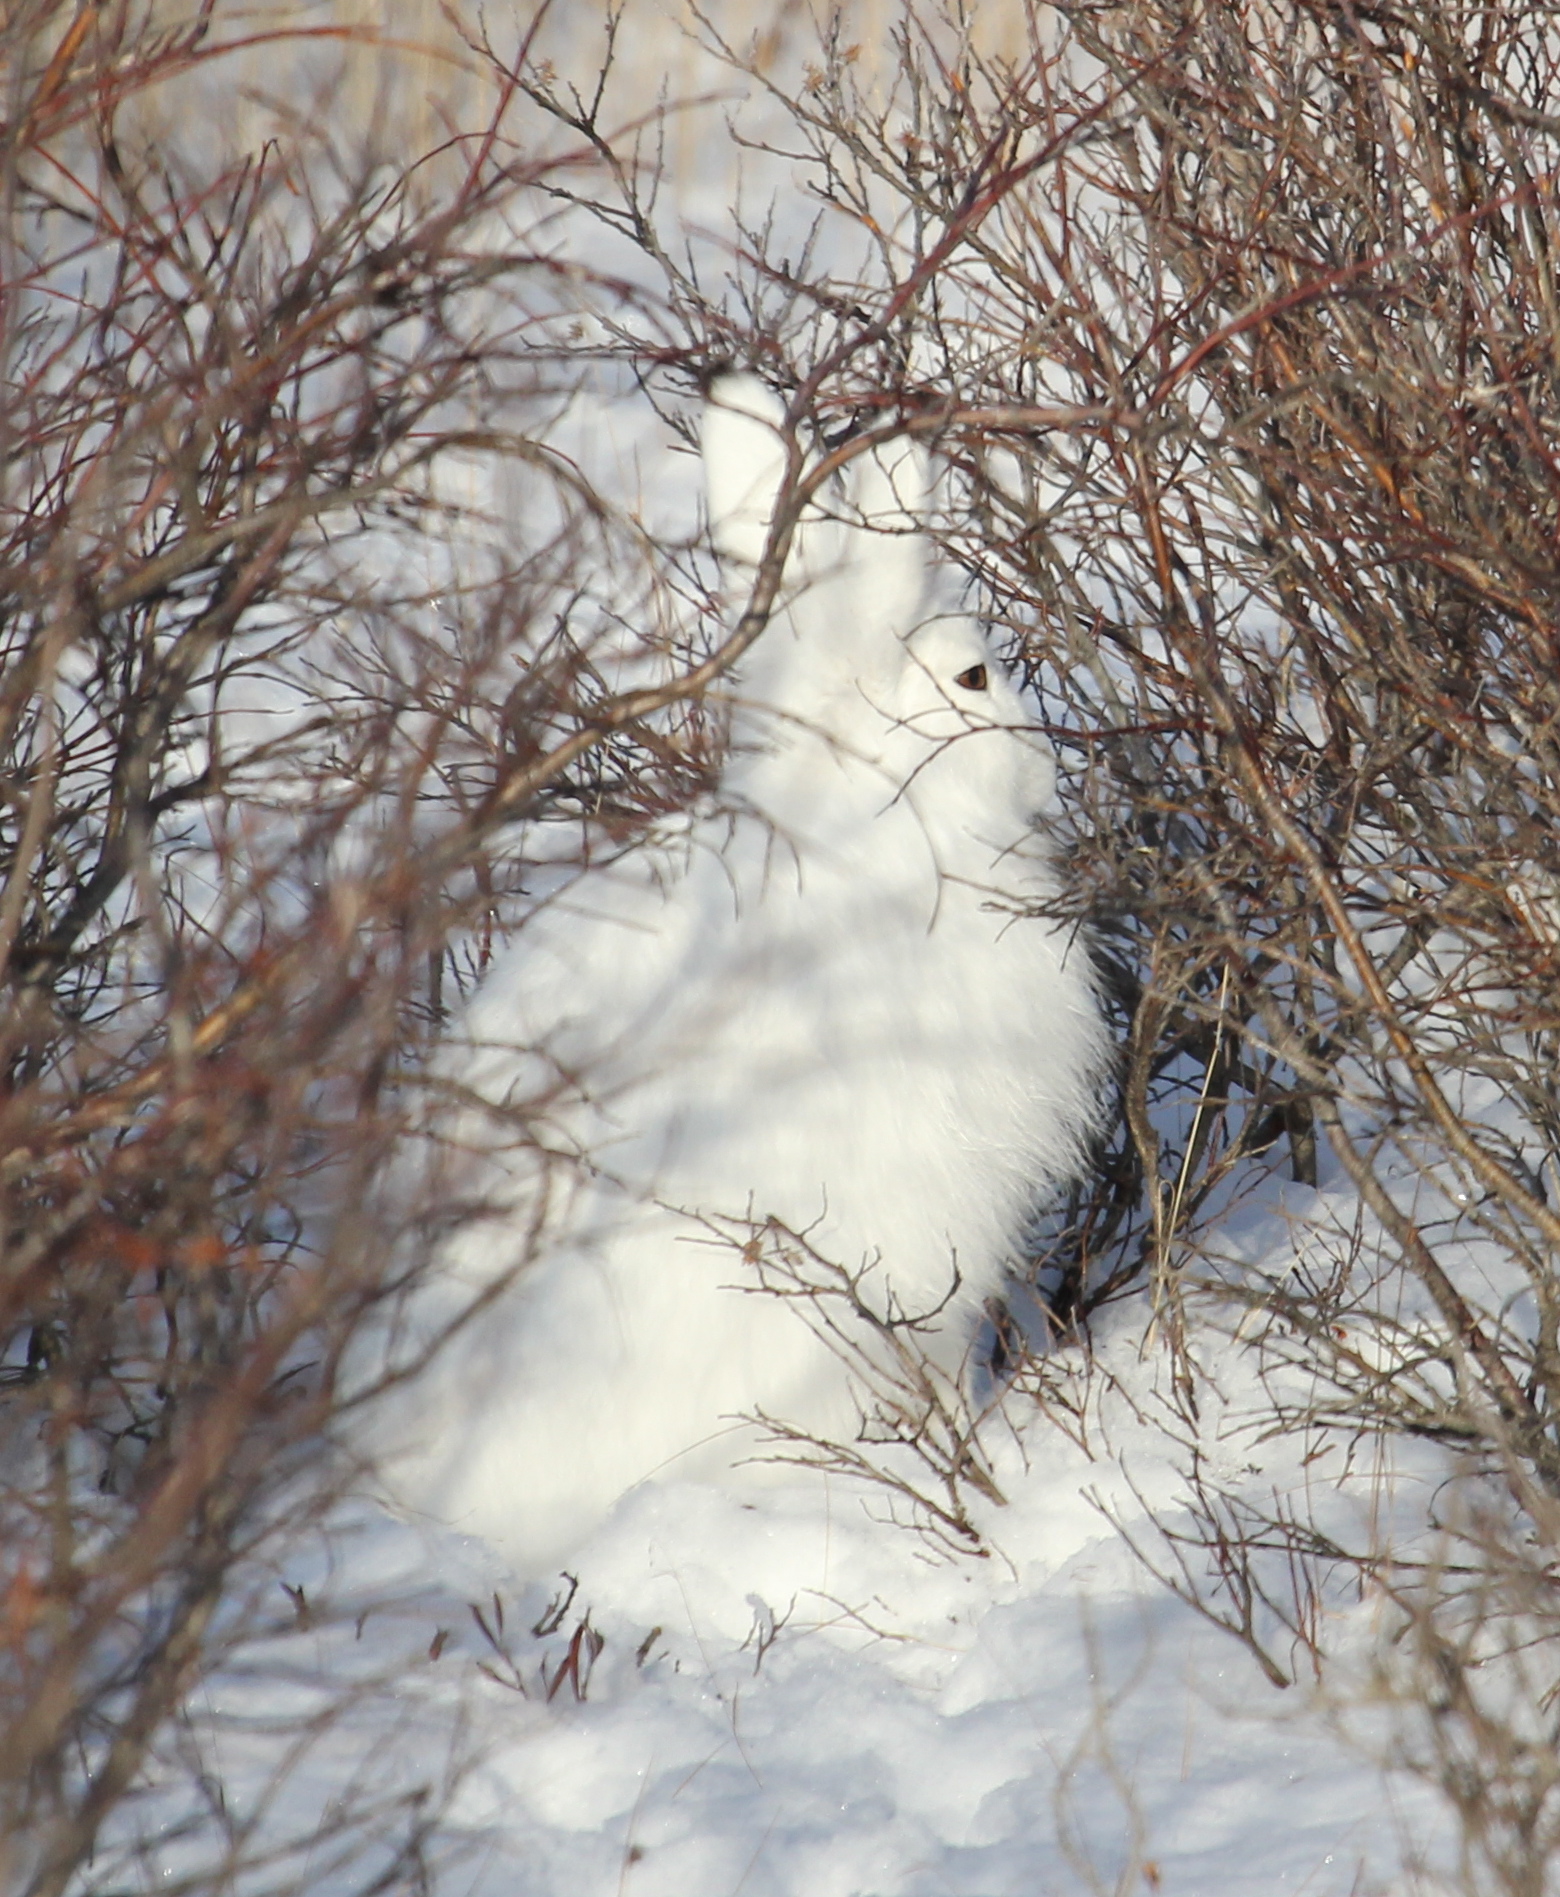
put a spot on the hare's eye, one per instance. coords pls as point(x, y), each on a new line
point(974, 680)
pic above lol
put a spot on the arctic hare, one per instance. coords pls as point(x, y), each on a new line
point(815, 1006)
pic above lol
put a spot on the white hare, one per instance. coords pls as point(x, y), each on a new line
point(816, 1006)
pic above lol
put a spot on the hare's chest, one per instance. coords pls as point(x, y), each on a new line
point(825, 1038)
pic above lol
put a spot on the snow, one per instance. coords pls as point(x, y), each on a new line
point(796, 1697)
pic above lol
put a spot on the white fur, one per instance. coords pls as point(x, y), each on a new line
point(815, 1005)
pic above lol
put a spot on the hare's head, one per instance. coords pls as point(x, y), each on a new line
point(862, 657)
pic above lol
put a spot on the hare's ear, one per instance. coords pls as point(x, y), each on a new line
point(888, 564)
point(744, 464)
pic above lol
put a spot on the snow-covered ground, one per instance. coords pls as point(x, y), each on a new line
point(785, 1692)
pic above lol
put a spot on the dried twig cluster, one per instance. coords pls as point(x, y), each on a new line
point(1238, 328)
